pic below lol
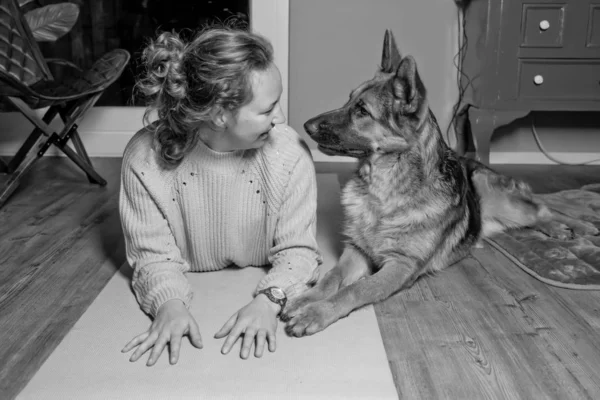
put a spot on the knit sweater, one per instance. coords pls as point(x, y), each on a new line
point(243, 208)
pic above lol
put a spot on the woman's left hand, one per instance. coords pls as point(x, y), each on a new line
point(256, 323)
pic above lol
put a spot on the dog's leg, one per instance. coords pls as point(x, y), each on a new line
point(506, 203)
point(396, 274)
point(351, 266)
point(564, 227)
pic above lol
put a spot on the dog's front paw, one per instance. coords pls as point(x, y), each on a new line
point(291, 309)
point(311, 319)
point(555, 230)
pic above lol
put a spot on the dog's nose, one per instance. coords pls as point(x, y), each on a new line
point(311, 126)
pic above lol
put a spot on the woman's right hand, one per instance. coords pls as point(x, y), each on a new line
point(172, 322)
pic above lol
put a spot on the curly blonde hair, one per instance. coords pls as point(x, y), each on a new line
point(184, 81)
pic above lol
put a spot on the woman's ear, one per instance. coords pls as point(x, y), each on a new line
point(219, 117)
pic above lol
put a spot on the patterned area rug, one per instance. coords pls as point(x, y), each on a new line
point(564, 252)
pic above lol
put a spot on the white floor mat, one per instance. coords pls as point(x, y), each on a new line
point(346, 361)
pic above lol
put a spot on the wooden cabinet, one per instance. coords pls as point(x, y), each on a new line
point(528, 55)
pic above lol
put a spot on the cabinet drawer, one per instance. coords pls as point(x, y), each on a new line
point(542, 25)
point(551, 28)
point(559, 79)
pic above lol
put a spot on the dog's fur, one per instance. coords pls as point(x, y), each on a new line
point(413, 205)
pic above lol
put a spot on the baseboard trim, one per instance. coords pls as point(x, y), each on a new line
point(540, 158)
point(99, 144)
point(515, 157)
point(112, 144)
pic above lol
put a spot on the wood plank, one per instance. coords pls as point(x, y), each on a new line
point(505, 338)
point(480, 329)
point(60, 242)
point(568, 341)
point(486, 329)
point(48, 306)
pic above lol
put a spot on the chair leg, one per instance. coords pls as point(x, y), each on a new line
point(70, 115)
point(32, 139)
point(3, 166)
point(36, 151)
point(86, 166)
point(79, 147)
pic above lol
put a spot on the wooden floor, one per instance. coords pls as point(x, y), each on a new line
point(480, 329)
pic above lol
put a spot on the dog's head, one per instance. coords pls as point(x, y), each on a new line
point(382, 115)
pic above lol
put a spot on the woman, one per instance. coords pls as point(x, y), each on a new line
point(217, 180)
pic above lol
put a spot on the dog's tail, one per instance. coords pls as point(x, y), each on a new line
point(506, 203)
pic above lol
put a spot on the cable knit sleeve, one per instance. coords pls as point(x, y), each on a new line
point(295, 256)
point(151, 250)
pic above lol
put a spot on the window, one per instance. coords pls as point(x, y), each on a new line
point(104, 25)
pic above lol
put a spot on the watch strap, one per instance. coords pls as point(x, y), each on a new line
point(272, 297)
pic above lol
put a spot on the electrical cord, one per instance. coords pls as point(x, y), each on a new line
point(545, 152)
point(461, 7)
point(458, 61)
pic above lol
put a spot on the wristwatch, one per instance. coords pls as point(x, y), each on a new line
point(276, 295)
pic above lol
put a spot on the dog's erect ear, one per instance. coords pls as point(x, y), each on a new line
point(408, 87)
point(390, 58)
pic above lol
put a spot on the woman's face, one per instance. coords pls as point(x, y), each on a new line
point(250, 127)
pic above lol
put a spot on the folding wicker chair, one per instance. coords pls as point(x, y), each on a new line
point(26, 84)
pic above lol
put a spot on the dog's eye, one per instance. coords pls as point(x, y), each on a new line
point(361, 110)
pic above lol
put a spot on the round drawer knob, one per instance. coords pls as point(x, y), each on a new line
point(538, 79)
point(544, 25)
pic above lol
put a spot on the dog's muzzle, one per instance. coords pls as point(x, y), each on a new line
point(312, 126)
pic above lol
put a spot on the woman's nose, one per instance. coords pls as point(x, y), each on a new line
point(278, 118)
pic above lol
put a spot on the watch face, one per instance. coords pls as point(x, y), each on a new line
point(278, 293)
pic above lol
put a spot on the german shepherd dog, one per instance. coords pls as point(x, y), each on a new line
point(412, 207)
